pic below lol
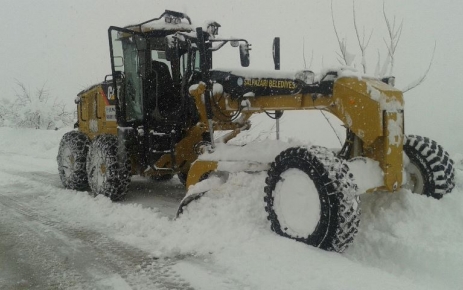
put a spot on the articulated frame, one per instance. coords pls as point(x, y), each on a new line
point(371, 109)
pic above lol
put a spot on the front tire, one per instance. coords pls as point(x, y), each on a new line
point(430, 171)
point(72, 155)
point(108, 167)
point(310, 197)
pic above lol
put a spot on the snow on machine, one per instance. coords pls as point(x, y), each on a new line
point(156, 115)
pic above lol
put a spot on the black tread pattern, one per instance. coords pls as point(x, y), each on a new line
point(117, 166)
point(340, 209)
point(78, 143)
point(436, 163)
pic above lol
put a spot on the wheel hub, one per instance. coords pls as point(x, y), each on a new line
point(297, 203)
point(98, 172)
point(69, 162)
point(103, 169)
point(415, 181)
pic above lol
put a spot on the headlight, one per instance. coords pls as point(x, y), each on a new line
point(213, 28)
point(306, 76)
point(172, 19)
point(389, 80)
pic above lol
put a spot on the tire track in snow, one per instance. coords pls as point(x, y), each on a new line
point(162, 196)
point(87, 256)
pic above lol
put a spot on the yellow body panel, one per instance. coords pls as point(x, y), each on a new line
point(372, 110)
point(92, 113)
point(198, 169)
point(184, 151)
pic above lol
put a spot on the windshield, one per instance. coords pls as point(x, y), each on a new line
point(125, 59)
point(193, 63)
point(148, 75)
point(133, 83)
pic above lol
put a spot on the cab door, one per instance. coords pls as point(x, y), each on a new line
point(127, 50)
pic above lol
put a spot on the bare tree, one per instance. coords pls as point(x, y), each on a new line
point(303, 55)
point(345, 58)
point(391, 41)
point(37, 110)
point(363, 42)
point(422, 78)
point(394, 34)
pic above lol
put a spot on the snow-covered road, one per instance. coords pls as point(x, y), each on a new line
point(39, 250)
point(52, 238)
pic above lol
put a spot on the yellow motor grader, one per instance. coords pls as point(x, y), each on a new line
point(157, 112)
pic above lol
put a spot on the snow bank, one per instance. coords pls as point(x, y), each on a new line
point(414, 236)
point(228, 231)
point(405, 241)
point(31, 142)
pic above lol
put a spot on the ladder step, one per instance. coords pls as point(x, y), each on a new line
point(162, 151)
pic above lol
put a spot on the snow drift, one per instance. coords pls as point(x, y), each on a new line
point(223, 241)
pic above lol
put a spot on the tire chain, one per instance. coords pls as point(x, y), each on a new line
point(79, 143)
point(349, 201)
point(120, 173)
point(441, 163)
point(343, 186)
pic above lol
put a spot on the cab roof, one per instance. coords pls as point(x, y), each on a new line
point(169, 22)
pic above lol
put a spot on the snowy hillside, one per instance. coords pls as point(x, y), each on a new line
point(224, 241)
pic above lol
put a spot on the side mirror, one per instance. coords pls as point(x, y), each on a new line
point(276, 52)
point(244, 54)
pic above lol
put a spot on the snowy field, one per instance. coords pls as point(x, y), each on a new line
point(223, 241)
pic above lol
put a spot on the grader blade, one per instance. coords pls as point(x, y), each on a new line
point(201, 168)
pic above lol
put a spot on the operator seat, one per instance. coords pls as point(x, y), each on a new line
point(163, 75)
point(168, 98)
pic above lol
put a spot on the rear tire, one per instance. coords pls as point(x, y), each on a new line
point(72, 156)
point(108, 167)
point(310, 197)
point(430, 171)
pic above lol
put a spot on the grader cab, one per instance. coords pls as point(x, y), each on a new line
point(157, 113)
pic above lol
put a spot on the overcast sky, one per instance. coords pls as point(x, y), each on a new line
point(63, 44)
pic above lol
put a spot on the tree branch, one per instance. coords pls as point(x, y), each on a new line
point(394, 38)
point(421, 79)
point(342, 44)
point(362, 45)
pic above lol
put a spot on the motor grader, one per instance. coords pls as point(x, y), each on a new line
point(156, 114)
